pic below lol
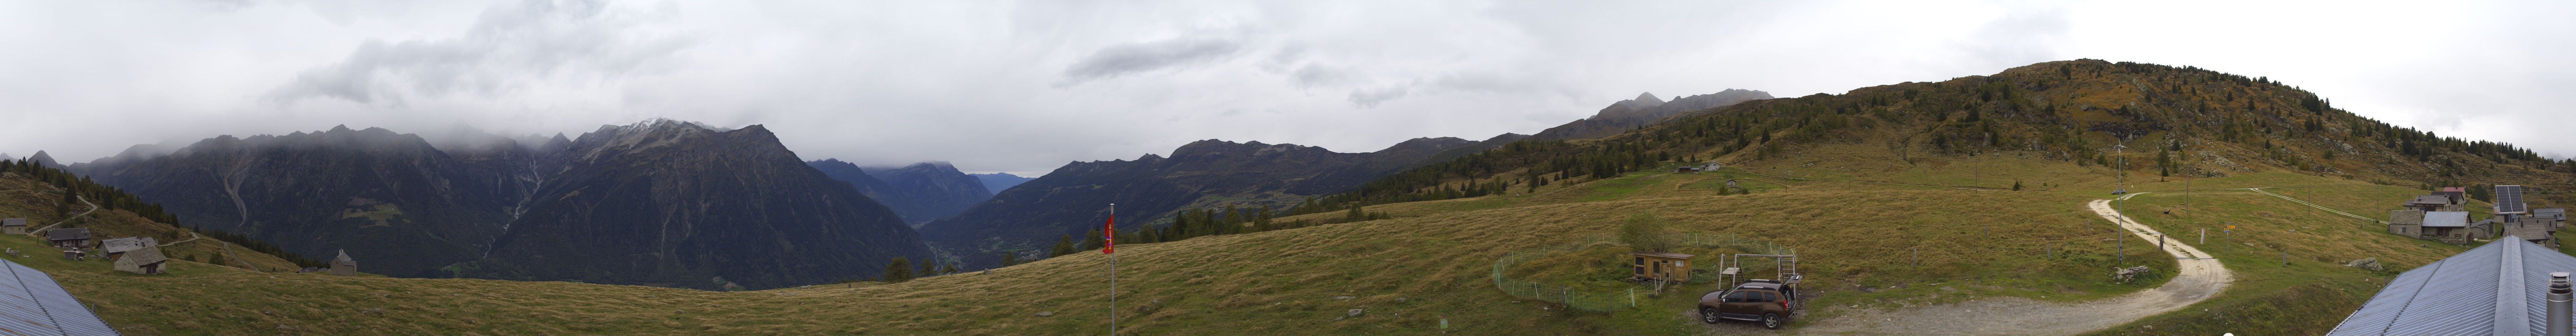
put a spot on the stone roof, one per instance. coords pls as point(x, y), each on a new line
point(2430, 200)
point(141, 256)
point(67, 234)
point(114, 245)
point(13, 222)
point(344, 259)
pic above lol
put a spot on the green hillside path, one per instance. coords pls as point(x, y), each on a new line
point(2314, 205)
point(2201, 277)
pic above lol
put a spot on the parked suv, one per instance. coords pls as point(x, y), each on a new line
point(1758, 300)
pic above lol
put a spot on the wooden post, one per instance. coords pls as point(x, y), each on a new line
point(1918, 257)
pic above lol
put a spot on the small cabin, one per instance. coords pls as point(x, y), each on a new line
point(2408, 223)
point(116, 247)
point(1686, 170)
point(15, 226)
point(1664, 266)
point(71, 238)
point(343, 266)
point(2443, 224)
point(146, 261)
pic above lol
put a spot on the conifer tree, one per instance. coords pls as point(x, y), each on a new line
point(1063, 246)
point(899, 270)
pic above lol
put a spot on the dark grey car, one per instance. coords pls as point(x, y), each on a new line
point(1758, 301)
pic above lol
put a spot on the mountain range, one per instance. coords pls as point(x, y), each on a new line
point(1625, 115)
point(919, 192)
point(1075, 198)
point(996, 182)
point(662, 203)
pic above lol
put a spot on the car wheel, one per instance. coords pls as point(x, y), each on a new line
point(1708, 315)
point(1770, 321)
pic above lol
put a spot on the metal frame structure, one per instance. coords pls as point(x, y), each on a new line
point(1787, 264)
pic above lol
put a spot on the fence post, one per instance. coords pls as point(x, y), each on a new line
point(1632, 297)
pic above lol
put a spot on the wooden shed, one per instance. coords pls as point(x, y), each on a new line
point(1651, 266)
point(145, 261)
point(15, 226)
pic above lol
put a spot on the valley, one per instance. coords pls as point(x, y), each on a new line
point(1981, 205)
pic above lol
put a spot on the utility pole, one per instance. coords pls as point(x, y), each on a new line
point(2122, 172)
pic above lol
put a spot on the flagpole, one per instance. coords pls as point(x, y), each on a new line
point(1110, 247)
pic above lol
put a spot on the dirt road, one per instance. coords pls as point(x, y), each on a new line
point(2200, 278)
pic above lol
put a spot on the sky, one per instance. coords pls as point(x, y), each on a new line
point(1025, 87)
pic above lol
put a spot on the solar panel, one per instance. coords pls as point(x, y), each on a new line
point(2509, 200)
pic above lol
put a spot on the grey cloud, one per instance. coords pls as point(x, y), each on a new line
point(1124, 59)
point(509, 44)
point(2020, 37)
point(1313, 75)
point(1369, 98)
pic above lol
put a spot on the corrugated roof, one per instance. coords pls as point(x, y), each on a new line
point(2552, 213)
point(2494, 289)
point(32, 304)
point(1663, 254)
point(2446, 219)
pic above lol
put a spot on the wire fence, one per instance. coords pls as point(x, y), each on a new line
point(1614, 300)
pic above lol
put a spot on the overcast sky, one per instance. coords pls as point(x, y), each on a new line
point(1025, 87)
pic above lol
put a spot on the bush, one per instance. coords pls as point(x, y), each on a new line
point(1646, 232)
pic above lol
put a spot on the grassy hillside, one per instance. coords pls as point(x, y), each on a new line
point(1860, 184)
point(1407, 273)
point(21, 197)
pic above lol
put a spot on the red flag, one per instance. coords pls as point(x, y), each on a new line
point(1110, 241)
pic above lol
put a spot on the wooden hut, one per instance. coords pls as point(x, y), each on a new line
point(1651, 266)
point(68, 238)
point(116, 247)
point(1686, 170)
point(15, 226)
point(146, 261)
point(343, 265)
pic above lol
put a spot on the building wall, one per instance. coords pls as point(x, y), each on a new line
point(2408, 223)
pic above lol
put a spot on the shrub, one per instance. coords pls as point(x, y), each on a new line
point(1645, 232)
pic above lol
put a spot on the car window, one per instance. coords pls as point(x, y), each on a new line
point(1738, 296)
point(1768, 297)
